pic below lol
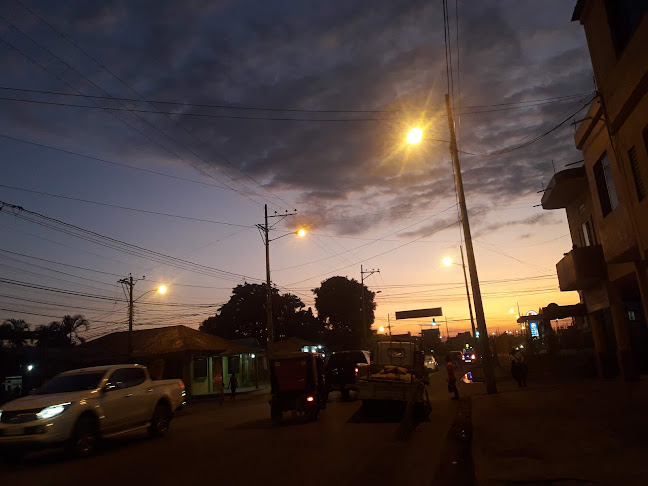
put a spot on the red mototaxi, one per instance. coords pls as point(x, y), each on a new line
point(297, 384)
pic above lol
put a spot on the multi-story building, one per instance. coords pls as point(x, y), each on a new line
point(606, 198)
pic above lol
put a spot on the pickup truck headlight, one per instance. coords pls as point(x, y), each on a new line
point(53, 411)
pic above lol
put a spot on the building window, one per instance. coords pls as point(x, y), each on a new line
point(605, 185)
point(588, 234)
point(624, 16)
point(636, 172)
point(199, 368)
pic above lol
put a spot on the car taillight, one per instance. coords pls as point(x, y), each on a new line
point(310, 399)
point(356, 371)
point(473, 356)
point(181, 383)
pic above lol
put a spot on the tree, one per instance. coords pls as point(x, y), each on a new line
point(339, 304)
point(64, 332)
point(244, 315)
point(14, 331)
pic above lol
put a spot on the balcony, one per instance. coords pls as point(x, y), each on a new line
point(581, 268)
point(564, 187)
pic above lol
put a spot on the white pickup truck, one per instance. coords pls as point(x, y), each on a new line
point(79, 407)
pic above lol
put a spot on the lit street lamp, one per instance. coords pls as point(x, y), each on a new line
point(413, 137)
point(130, 283)
point(265, 232)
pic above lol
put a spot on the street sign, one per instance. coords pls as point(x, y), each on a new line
point(411, 314)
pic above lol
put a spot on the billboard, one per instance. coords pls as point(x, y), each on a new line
point(411, 314)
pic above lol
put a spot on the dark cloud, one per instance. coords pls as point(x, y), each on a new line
point(354, 55)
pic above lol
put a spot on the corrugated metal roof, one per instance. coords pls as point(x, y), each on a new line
point(162, 341)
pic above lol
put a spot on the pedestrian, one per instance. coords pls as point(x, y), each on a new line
point(523, 370)
point(233, 385)
point(515, 369)
point(452, 379)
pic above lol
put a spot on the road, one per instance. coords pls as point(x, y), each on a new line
point(236, 444)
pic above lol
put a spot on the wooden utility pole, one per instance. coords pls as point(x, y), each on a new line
point(268, 289)
point(491, 386)
point(472, 320)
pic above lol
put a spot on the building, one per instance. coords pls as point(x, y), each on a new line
point(605, 198)
point(200, 359)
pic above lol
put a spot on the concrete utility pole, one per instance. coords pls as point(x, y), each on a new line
point(265, 235)
point(491, 386)
point(463, 265)
point(270, 336)
point(130, 283)
point(364, 317)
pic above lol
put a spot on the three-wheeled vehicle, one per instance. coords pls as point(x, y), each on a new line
point(297, 383)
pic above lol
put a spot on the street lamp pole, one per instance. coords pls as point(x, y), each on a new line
point(472, 320)
point(491, 386)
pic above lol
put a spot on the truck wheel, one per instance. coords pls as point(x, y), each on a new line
point(85, 436)
point(161, 421)
point(275, 414)
point(313, 413)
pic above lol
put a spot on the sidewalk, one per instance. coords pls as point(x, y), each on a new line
point(581, 432)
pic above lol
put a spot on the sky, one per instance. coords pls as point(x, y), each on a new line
point(146, 137)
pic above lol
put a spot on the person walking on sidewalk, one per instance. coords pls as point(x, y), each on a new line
point(522, 367)
point(519, 368)
point(233, 385)
point(452, 379)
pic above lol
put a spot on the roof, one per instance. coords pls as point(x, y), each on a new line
point(163, 341)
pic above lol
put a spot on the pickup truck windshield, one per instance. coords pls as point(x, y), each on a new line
point(71, 383)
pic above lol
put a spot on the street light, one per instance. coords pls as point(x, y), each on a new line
point(265, 232)
point(413, 137)
point(130, 283)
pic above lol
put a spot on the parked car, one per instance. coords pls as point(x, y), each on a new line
point(79, 407)
point(431, 363)
point(342, 371)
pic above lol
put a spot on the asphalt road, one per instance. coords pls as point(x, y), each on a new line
point(236, 443)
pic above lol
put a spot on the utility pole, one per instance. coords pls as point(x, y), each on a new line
point(270, 336)
point(491, 386)
point(265, 235)
point(463, 264)
point(364, 317)
point(130, 283)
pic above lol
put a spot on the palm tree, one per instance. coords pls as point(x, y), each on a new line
point(72, 325)
point(15, 331)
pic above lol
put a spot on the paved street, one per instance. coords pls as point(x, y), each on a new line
point(235, 443)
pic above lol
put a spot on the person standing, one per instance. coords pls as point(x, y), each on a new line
point(233, 385)
point(452, 379)
point(220, 387)
point(523, 370)
point(515, 368)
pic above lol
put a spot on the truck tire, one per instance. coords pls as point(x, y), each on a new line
point(313, 413)
point(160, 421)
point(84, 439)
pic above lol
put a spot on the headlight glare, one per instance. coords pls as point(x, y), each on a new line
point(53, 411)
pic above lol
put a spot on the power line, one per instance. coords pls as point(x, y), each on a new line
point(189, 218)
point(510, 105)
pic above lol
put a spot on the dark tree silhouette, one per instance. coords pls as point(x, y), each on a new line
point(339, 304)
point(64, 332)
point(14, 331)
point(244, 316)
